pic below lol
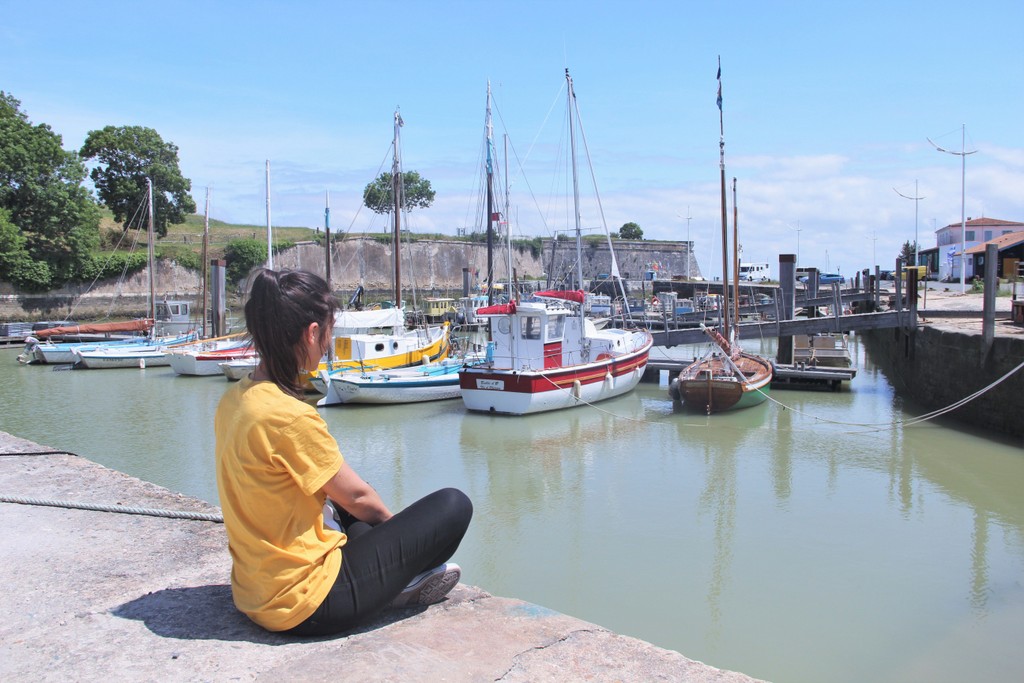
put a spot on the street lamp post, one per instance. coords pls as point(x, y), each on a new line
point(689, 247)
point(797, 229)
point(916, 200)
point(963, 196)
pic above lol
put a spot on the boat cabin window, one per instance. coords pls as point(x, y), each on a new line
point(165, 310)
point(531, 327)
point(379, 346)
point(556, 325)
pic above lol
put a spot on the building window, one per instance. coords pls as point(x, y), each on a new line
point(988, 235)
point(970, 236)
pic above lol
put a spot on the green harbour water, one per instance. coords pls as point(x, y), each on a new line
point(811, 538)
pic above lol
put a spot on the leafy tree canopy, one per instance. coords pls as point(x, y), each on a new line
point(379, 197)
point(907, 252)
point(51, 224)
point(631, 231)
point(125, 157)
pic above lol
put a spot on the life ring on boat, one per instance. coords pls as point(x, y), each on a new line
point(654, 301)
point(603, 356)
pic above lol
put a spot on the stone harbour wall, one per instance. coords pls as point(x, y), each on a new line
point(433, 267)
point(940, 365)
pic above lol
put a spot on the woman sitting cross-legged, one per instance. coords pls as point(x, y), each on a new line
point(277, 466)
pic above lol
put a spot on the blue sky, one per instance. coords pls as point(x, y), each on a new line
point(828, 107)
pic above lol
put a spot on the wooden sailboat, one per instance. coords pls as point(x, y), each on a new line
point(544, 353)
point(726, 376)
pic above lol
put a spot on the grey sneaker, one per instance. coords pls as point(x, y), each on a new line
point(429, 587)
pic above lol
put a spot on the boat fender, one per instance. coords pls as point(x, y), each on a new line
point(142, 364)
point(673, 390)
point(576, 389)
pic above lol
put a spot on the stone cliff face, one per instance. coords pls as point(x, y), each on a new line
point(434, 267)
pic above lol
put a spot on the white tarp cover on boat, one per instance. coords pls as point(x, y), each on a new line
point(348, 321)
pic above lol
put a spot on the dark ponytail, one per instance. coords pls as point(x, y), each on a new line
point(281, 306)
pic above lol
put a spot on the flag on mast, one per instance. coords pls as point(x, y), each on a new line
point(719, 77)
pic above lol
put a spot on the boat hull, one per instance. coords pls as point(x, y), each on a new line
point(94, 360)
point(399, 391)
point(522, 392)
point(235, 370)
point(433, 382)
point(413, 348)
point(705, 386)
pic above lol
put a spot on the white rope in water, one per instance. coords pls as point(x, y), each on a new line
point(878, 426)
point(172, 514)
point(912, 421)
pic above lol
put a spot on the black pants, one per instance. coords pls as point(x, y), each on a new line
point(379, 561)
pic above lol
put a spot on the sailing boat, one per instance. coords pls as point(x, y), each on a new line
point(544, 353)
point(726, 376)
point(358, 350)
point(153, 353)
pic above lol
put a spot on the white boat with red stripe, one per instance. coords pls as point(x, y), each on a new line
point(546, 355)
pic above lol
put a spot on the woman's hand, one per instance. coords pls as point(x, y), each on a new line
point(359, 499)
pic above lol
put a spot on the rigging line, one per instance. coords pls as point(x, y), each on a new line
point(909, 422)
point(74, 305)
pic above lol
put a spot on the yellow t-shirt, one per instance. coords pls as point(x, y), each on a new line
point(274, 454)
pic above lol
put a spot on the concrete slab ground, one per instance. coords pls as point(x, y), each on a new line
point(97, 595)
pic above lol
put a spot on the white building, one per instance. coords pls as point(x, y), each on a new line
point(978, 231)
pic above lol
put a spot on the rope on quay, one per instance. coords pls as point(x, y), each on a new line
point(12, 453)
point(172, 514)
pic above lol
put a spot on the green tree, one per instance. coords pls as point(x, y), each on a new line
point(16, 264)
point(631, 231)
point(55, 222)
point(379, 197)
point(907, 252)
point(125, 157)
point(242, 256)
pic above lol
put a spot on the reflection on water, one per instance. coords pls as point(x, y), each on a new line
point(804, 539)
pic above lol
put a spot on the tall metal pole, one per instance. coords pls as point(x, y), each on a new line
point(963, 200)
point(689, 247)
point(916, 200)
point(270, 243)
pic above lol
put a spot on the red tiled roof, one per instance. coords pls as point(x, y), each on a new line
point(981, 222)
point(1002, 242)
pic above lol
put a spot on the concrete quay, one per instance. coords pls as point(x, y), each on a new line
point(96, 595)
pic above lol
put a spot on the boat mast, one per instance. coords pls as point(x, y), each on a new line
point(327, 237)
point(735, 265)
point(270, 245)
point(575, 185)
point(490, 200)
point(576, 203)
point(508, 224)
point(151, 254)
point(725, 221)
point(396, 191)
point(206, 263)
